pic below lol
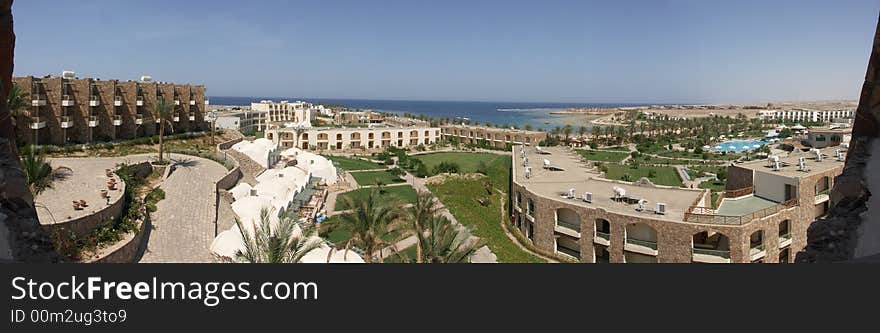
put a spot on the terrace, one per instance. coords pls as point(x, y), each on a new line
point(571, 172)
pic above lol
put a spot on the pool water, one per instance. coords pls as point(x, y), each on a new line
point(738, 145)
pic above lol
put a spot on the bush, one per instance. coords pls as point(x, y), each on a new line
point(446, 167)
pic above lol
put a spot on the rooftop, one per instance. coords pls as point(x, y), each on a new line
point(570, 171)
point(789, 164)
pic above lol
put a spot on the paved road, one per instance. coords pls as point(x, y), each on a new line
point(183, 226)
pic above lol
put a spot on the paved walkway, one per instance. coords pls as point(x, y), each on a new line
point(183, 226)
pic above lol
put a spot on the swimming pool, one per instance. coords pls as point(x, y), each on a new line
point(738, 145)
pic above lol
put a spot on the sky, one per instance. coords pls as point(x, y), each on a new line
point(650, 51)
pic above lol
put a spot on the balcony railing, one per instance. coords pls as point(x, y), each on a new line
point(649, 244)
point(67, 100)
point(66, 122)
point(717, 253)
point(176, 101)
point(140, 101)
point(38, 100)
point(94, 101)
point(570, 252)
point(93, 121)
point(707, 215)
point(117, 120)
point(37, 123)
point(569, 225)
point(117, 101)
point(139, 119)
point(192, 102)
point(192, 116)
point(176, 118)
point(603, 235)
point(826, 191)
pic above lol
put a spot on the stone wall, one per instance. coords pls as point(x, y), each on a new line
point(83, 226)
point(738, 178)
point(128, 250)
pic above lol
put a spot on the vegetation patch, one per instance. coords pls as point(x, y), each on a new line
point(353, 164)
point(658, 175)
point(403, 193)
point(376, 177)
point(603, 156)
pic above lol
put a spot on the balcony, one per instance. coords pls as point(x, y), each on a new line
point(574, 254)
point(192, 116)
point(711, 256)
point(67, 100)
point(207, 102)
point(756, 251)
point(176, 102)
point(176, 118)
point(641, 246)
point(94, 101)
point(117, 120)
point(38, 101)
point(192, 102)
point(37, 123)
point(139, 119)
point(784, 240)
point(117, 101)
point(567, 228)
point(93, 121)
point(602, 238)
point(139, 101)
point(822, 196)
point(66, 122)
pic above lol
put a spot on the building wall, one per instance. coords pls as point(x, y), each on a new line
point(105, 113)
point(675, 239)
point(772, 186)
point(354, 138)
point(496, 137)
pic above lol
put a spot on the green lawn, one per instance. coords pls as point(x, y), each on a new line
point(662, 175)
point(374, 177)
point(687, 154)
point(460, 196)
point(350, 164)
point(404, 193)
point(617, 148)
point(714, 185)
point(467, 162)
point(337, 234)
point(603, 156)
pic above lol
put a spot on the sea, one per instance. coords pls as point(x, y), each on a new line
point(538, 115)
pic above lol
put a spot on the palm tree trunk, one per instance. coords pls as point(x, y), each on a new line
point(161, 137)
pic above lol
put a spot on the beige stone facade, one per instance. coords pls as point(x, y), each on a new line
point(608, 230)
point(495, 137)
point(72, 110)
point(353, 138)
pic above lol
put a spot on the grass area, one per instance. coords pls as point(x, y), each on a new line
point(467, 162)
point(603, 156)
point(714, 185)
point(339, 235)
point(375, 177)
point(404, 193)
point(657, 175)
point(461, 197)
point(699, 171)
point(617, 148)
point(349, 164)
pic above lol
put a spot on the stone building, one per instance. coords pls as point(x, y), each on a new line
point(495, 137)
point(564, 206)
point(67, 110)
point(285, 111)
point(353, 138)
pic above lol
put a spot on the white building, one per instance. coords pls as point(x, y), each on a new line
point(244, 121)
point(805, 115)
point(353, 138)
point(285, 111)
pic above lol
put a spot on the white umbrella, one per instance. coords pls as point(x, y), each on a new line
point(731, 148)
point(719, 147)
point(706, 147)
point(757, 146)
point(745, 148)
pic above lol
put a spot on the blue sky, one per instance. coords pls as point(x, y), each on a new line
point(537, 51)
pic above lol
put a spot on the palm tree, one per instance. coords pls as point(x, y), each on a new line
point(17, 103)
point(371, 219)
point(422, 211)
point(38, 173)
point(448, 243)
point(567, 131)
point(278, 245)
point(581, 131)
point(163, 111)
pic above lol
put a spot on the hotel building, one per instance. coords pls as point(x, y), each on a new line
point(763, 216)
point(68, 110)
point(495, 137)
point(805, 115)
point(353, 138)
point(244, 121)
point(285, 111)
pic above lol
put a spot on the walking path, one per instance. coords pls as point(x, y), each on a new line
point(183, 225)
